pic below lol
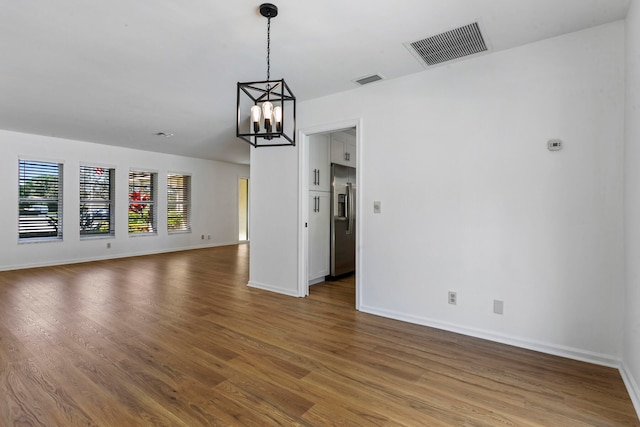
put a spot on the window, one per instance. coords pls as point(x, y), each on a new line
point(178, 203)
point(96, 201)
point(142, 205)
point(40, 206)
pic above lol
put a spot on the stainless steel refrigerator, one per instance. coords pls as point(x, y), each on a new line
point(343, 220)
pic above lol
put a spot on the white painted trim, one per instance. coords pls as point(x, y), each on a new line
point(105, 258)
point(303, 235)
point(554, 349)
point(303, 214)
point(632, 386)
point(360, 186)
point(270, 288)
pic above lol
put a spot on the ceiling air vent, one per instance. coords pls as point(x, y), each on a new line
point(453, 44)
point(368, 79)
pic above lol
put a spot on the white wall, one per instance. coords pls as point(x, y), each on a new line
point(214, 201)
point(494, 215)
point(631, 368)
point(273, 221)
point(473, 202)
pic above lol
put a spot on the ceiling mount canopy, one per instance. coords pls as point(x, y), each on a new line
point(266, 114)
point(268, 10)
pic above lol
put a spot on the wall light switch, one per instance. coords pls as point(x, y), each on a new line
point(554, 145)
point(377, 207)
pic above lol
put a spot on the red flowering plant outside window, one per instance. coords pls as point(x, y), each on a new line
point(142, 218)
point(138, 208)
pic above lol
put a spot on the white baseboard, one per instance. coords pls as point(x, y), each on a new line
point(554, 349)
point(316, 281)
point(112, 256)
point(271, 288)
point(632, 386)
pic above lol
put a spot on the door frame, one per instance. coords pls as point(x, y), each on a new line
point(303, 205)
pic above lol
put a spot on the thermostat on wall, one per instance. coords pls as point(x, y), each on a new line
point(554, 145)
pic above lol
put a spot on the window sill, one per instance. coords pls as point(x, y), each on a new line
point(29, 240)
point(98, 237)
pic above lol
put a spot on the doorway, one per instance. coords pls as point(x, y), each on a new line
point(346, 133)
point(243, 209)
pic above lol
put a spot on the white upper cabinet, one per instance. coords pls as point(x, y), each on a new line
point(343, 149)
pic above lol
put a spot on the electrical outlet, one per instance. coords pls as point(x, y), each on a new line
point(108, 245)
point(453, 298)
point(202, 237)
point(498, 306)
point(209, 237)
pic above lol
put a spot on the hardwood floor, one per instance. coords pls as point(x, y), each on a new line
point(180, 340)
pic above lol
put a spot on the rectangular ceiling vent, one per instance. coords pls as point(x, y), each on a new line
point(453, 44)
point(368, 79)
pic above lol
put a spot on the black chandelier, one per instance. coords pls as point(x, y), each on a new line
point(266, 109)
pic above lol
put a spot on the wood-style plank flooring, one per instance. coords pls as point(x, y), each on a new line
point(180, 340)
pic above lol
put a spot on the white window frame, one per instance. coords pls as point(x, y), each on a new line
point(143, 204)
point(35, 211)
point(182, 202)
point(109, 202)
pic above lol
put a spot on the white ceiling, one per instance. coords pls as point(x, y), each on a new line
point(118, 71)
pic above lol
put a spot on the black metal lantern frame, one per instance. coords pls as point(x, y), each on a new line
point(267, 109)
point(272, 134)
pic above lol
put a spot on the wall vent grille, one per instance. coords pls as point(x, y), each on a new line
point(453, 44)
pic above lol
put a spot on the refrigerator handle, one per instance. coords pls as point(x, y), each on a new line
point(349, 208)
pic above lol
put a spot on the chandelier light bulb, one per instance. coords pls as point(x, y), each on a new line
point(255, 117)
point(267, 113)
point(277, 117)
